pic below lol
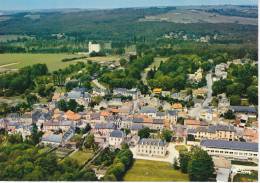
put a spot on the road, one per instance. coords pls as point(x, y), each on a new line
point(155, 64)
point(95, 81)
point(195, 112)
point(209, 87)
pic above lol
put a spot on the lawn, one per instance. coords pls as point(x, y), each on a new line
point(145, 170)
point(53, 61)
point(181, 148)
point(82, 156)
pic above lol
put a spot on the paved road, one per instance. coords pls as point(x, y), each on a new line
point(209, 87)
point(95, 81)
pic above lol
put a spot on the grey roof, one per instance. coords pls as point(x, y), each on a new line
point(245, 109)
point(215, 128)
point(148, 110)
point(157, 121)
point(52, 138)
point(75, 94)
point(104, 126)
point(173, 112)
point(154, 142)
point(160, 114)
point(136, 127)
point(117, 133)
point(232, 145)
point(138, 120)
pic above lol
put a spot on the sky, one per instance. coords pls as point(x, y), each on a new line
point(105, 4)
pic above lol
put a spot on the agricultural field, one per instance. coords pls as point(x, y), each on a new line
point(82, 156)
point(198, 16)
point(145, 170)
point(53, 61)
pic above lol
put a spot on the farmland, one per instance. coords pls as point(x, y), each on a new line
point(144, 170)
point(53, 61)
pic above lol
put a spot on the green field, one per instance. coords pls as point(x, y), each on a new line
point(53, 61)
point(82, 156)
point(144, 170)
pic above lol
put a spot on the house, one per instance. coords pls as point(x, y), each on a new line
point(172, 116)
point(191, 123)
point(52, 139)
point(116, 138)
point(148, 111)
point(103, 129)
point(220, 132)
point(63, 125)
point(157, 90)
point(199, 92)
point(151, 147)
point(99, 91)
point(177, 106)
point(72, 116)
point(79, 95)
point(197, 76)
point(134, 92)
point(135, 128)
point(231, 149)
point(251, 112)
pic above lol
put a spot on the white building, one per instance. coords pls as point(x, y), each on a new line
point(151, 147)
point(116, 138)
point(94, 47)
point(231, 149)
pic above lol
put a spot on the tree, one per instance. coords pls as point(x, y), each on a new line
point(122, 62)
point(62, 105)
point(90, 141)
point(229, 115)
point(235, 100)
point(144, 133)
point(35, 134)
point(252, 93)
point(175, 164)
point(184, 159)
point(31, 99)
point(180, 120)
point(200, 166)
point(167, 135)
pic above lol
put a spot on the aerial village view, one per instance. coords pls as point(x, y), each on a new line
point(147, 91)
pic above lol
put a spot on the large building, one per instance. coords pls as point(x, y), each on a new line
point(116, 138)
point(231, 149)
point(220, 132)
point(151, 147)
point(94, 47)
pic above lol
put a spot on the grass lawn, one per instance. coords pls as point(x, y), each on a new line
point(145, 170)
point(53, 61)
point(82, 156)
point(44, 150)
point(181, 148)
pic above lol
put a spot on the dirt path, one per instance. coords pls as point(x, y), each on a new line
point(6, 65)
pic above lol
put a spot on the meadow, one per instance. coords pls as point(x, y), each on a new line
point(53, 61)
point(145, 170)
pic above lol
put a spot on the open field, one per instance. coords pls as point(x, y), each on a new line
point(53, 61)
point(144, 170)
point(197, 16)
point(82, 156)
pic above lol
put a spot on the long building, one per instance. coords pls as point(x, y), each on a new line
point(231, 149)
point(151, 147)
